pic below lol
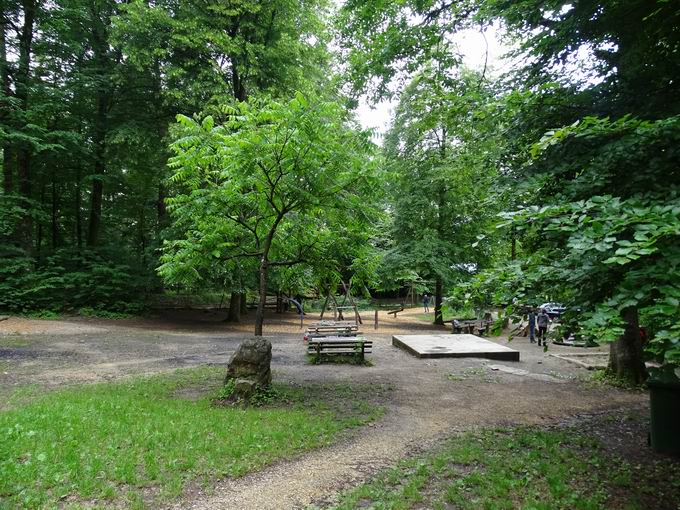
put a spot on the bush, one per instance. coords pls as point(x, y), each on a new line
point(67, 281)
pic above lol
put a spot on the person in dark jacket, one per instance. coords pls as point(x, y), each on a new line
point(426, 302)
point(532, 325)
point(542, 321)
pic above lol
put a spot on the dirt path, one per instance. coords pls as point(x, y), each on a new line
point(429, 400)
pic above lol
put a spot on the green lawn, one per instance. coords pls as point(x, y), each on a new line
point(140, 441)
point(524, 468)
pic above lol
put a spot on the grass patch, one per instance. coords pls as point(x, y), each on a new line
point(429, 317)
point(521, 468)
point(13, 341)
point(18, 396)
point(110, 443)
point(104, 314)
point(605, 378)
point(41, 314)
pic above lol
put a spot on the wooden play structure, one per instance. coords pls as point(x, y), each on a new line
point(340, 308)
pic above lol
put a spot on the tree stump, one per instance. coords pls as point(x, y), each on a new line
point(249, 368)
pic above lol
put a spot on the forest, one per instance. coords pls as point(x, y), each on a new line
point(156, 148)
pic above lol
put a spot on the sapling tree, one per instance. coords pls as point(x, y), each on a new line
point(266, 187)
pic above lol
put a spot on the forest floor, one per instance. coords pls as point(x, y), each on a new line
point(429, 399)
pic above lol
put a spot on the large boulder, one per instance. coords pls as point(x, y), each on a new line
point(249, 368)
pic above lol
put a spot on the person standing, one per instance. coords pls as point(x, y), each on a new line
point(426, 302)
point(532, 325)
point(542, 320)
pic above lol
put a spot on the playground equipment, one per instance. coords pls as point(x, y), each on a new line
point(339, 308)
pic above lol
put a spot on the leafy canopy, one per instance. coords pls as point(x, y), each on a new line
point(268, 184)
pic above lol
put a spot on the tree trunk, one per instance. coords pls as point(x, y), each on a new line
point(7, 169)
point(24, 150)
point(438, 298)
point(441, 231)
point(238, 87)
point(513, 244)
point(161, 209)
point(55, 214)
point(264, 273)
point(259, 314)
point(99, 47)
point(7, 160)
point(94, 223)
point(77, 206)
point(95, 212)
point(243, 300)
point(625, 355)
point(234, 307)
point(142, 234)
point(22, 88)
point(39, 240)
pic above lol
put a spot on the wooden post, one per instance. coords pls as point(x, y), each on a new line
point(323, 308)
point(335, 310)
point(376, 320)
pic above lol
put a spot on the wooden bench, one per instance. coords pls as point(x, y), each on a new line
point(339, 345)
point(395, 312)
point(329, 329)
point(326, 334)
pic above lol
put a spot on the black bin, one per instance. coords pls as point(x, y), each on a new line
point(664, 397)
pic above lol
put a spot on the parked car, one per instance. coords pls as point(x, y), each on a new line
point(554, 310)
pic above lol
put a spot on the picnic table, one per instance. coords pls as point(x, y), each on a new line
point(357, 345)
point(331, 328)
point(481, 326)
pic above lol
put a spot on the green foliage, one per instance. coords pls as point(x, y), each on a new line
point(265, 396)
point(602, 254)
point(227, 389)
point(272, 47)
point(69, 281)
point(605, 378)
point(88, 90)
point(383, 41)
point(268, 184)
point(109, 443)
point(441, 154)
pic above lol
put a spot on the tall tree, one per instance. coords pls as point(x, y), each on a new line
point(441, 149)
point(264, 185)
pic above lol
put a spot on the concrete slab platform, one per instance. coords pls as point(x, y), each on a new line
point(453, 346)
